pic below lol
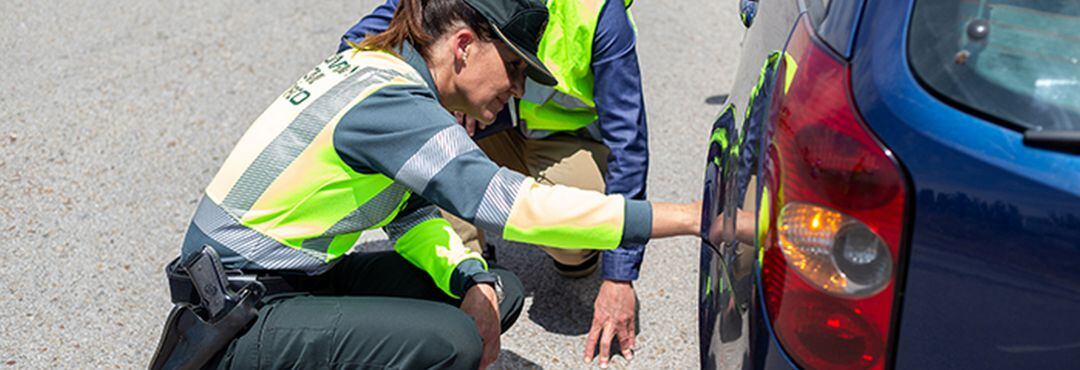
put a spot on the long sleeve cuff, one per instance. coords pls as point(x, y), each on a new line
point(465, 270)
point(624, 263)
point(638, 226)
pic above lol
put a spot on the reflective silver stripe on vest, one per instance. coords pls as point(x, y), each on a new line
point(371, 213)
point(252, 245)
point(288, 145)
point(536, 93)
point(498, 198)
point(403, 224)
point(540, 94)
point(436, 153)
point(569, 101)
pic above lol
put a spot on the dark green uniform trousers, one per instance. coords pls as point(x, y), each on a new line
point(370, 311)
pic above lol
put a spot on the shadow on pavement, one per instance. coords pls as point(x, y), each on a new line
point(510, 360)
point(559, 305)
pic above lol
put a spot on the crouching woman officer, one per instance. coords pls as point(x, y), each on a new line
point(365, 140)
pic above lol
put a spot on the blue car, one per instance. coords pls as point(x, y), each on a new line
point(896, 185)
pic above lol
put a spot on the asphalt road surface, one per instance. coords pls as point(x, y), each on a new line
point(115, 115)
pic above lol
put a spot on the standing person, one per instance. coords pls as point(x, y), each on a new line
point(588, 131)
point(365, 140)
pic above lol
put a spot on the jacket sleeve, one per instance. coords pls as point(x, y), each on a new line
point(371, 24)
point(621, 116)
point(403, 133)
point(426, 240)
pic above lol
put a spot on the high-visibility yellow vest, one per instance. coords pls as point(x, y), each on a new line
point(566, 49)
point(284, 199)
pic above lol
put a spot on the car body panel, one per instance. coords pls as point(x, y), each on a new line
point(993, 273)
point(727, 287)
point(990, 267)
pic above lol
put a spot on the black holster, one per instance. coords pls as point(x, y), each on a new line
point(211, 308)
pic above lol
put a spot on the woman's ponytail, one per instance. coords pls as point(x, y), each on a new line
point(406, 25)
point(420, 22)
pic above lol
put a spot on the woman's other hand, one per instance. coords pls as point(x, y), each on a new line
point(483, 305)
point(467, 122)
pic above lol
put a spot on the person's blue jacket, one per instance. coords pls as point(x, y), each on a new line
point(620, 106)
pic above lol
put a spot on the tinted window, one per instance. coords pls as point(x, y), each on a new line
point(1015, 60)
point(837, 27)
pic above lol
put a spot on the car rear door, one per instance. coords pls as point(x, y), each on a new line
point(958, 90)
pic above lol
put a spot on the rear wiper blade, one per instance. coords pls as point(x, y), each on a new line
point(1060, 140)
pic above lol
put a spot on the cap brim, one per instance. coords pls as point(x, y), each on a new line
point(536, 69)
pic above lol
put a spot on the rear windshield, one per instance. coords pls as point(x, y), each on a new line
point(1018, 61)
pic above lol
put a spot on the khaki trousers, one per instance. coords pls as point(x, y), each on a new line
point(563, 159)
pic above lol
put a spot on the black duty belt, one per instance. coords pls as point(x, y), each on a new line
point(183, 290)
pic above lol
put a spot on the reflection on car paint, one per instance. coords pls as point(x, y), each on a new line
point(732, 163)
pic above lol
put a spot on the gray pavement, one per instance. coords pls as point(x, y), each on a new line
point(115, 115)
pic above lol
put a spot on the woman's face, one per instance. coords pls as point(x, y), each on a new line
point(490, 74)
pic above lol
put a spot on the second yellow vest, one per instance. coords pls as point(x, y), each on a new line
point(566, 49)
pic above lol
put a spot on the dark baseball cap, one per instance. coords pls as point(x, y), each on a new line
point(520, 24)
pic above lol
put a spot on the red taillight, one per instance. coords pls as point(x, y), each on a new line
point(836, 214)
